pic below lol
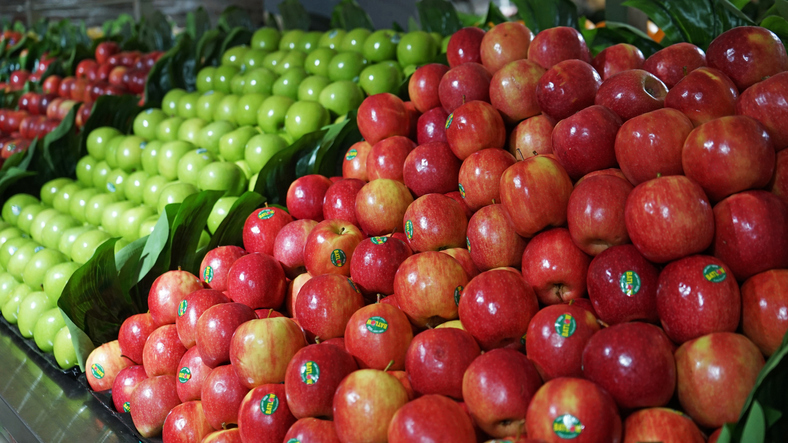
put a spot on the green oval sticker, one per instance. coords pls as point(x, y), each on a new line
point(629, 283)
point(377, 325)
point(97, 371)
point(207, 274)
point(567, 426)
point(351, 154)
point(565, 325)
point(462, 190)
point(182, 307)
point(265, 214)
point(409, 229)
point(184, 375)
point(379, 240)
point(269, 404)
point(126, 407)
point(715, 273)
point(310, 372)
point(338, 258)
point(457, 294)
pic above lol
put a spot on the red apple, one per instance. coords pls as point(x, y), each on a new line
point(216, 265)
point(464, 46)
point(381, 116)
point(617, 58)
point(431, 168)
point(437, 359)
point(192, 373)
point(378, 335)
point(504, 43)
point(264, 415)
point(132, 335)
point(365, 403)
point(312, 430)
point(431, 126)
point(293, 288)
point(513, 90)
point(595, 213)
point(325, 304)
point(480, 177)
point(532, 136)
point(380, 206)
point(554, 45)
point(585, 142)
point(463, 84)
point(232, 435)
point(103, 365)
point(568, 87)
point(305, 197)
point(106, 49)
point(262, 225)
point(434, 222)
point(124, 384)
point(190, 310)
point(116, 76)
point(355, 163)
point(261, 349)
point(222, 394)
point(464, 258)
point(674, 62)
point(661, 424)
point(340, 200)
point(257, 280)
point(186, 423)
point(764, 300)
point(375, 262)
point(474, 126)
point(215, 329)
point(387, 158)
point(289, 246)
point(85, 67)
point(632, 93)
point(555, 267)
point(163, 351)
point(312, 378)
point(764, 102)
point(428, 286)
point(167, 292)
point(747, 54)
point(329, 247)
point(492, 240)
point(431, 418)
point(423, 86)
point(703, 95)
point(151, 401)
point(51, 84)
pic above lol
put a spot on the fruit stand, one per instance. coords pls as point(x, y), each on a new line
point(515, 226)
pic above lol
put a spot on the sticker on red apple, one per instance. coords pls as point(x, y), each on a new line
point(310, 373)
point(269, 404)
point(409, 229)
point(522, 339)
point(468, 243)
point(294, 440)
point(629, 283)
point(462, 190)
point(265, 214)
point(715, 273)
point(351, 154)
point(379, 240)
point(353, 285)
point(338, 258)
point(207, 274)
point(184, 375)
point(182, 307)
point(97, 371)
point(449, 119)
point(567, 426)
point(377, 325)
point(565, 325)
point(457, 294)
point(127, 407)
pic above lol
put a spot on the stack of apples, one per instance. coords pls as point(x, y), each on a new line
point(538, 246)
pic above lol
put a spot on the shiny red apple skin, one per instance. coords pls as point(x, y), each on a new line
point(661, 424)
point(437, 359)
point(387, 158)
point(261, 349)
point(764, 102)
point(151, 401)
point(617, 58)
point(566, 88)
point(697, 295)
point(622, 286)
point(423, 86)
point(329, 247)
point(166, 294)
point(555, 267)
point(497, 388)
point(464, 46)
point(555, 340)
point(674, 62)
point(764, 300)
point(381, 116)
point(190, 310)
point(264, 415)
point(703, 95)
point(535, 193)
point(532, 136)
point(585, 141)
point(312, 378)
point(216, 265)
point(434, 222)
point(257, 280)
point(312, 430)
point(496, 307)
point(192, 373)
point(163, 351)
point(595, 213)
point(431, 168)
point(103, 365)
point(505, 43)
point(716, 373)
point(325, 304)
point(186, 423)
point(365, 403)
point(304, 200)
point(431, 126)
point(669, 218)
point(634, 363)
point(513, 90)
point(492, 240)
point(650, 145)
point(289, 245)
point(554, 45)
point(291, 296)
point(465, 260)
point(474, 126)
point(463, 84)
point(747, 54)
point(134, 331)
point(757, 219)
point(340, 200)
point(231, 435)
point(215, 329)
point(632, 93)
point(355, 163)
point(380, 206)
point(729, 155)
point(375, 343)
point(222, 394)
point(431, 418)
point(375, 262)
point(480, 177)
point(124, 384)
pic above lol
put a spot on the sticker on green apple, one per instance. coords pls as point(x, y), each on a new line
point(715, 273)
point(565, 325)
point(184, 375)
point(338, 258)
point(310, 372)
point(377, 325)
point(567, 426)
point(97, 371)
point(269, 404)
point(629, 283)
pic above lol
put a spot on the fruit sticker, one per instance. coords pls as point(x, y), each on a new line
point(522, 339)
point(127, 407)
point(409, 229)
point(265, 214)
point(294, 440)
point(38, 249)
point(567, 426)
point(462, 190)
point(351, 154)
point(468, 243)
point(202, 150)
point(110, 187)
point(310, 373)
point(269, 404)
point(144, 145)
point(449, 119)
point(207, 274)
point(97, 371)
point(629, 283)
point(16, 209)
point(714, 273)
point(565, 325)
point(377, 325)
point(338, 258)
point(457, 294)
point(379, 240)
point(184, 375)
point(353, 285)
point(182, 307)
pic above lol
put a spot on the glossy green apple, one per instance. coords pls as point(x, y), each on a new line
point(332, 39)
point(190, 129)
point(207, 104)
point(204, 82)
point(85, 167)
point(169, 157)
point(244, 167)
point(238, 83)
point(174, 193)
point(444, 43)
point(111, 218)
point(85, 245)
point(219, 212)
point(11, 306)
point(260, 148)
point(116, 183)
point(317, 61)
point(18, 261)
point(98, 139)
point(31, 309)
point(259, 80)
point(55, 228)
point(145, 123)
point(14, 205)
point(416, 48)
point(190, 165)
point(381, 45)
point(40, 221)
point(309, 41)
point(222, 176)
point(79, 202)
point(205, 238)
point(27, 215)
point(70, 236)
point(224, 74)
point(210, 135)
point(10, 247)
point(153, 187)
point(341, 97)
point(4, 225)
point(246, 108)
point(51, 188)
point(100, 172)
point(150, 157)
point(234, 56)
point(169, 103)
point(65, 354)
point(96, 206)
point(252, 182)
point(111, 151)
point(266, 39)
point(289, 40)
point(167, 130)
point(135, 186)
point(56, 278)
point(8, 233)
point(232, 144)
point(311, 87)
point(225, 111)
point(379, 78)
point(354, 40)
point(187, 105)
point(293, 59)
point(346, 66)
point(287, 84)
point(46, 328)
point(254, 58)
point(147, 225)
point(62, 201)
point(272, 60)
point(128, 156)
point(305, 117)
point(271, 114)
point(7, 285)
point(39, 264)
point(130, 220)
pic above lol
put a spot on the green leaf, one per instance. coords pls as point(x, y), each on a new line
point(209, 48)
point(294, 15)
point(230, 230)
point(467, 20)
point(755, 426)
point(237, 36)
point(494, 16)
point(155, 32)
point(189, 223)
point(198, 23)
point(438, 16)
point(613, 33)
point(778, 25)
point(82, 343)
point(740, 3)
point(287, 165)
point(338, 139)
point(349, 15)
point(539, 15)
point(234, 17)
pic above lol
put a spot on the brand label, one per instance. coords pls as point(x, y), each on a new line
point(567, 426)
point(97, 371)
point(462, 190)
point(351, 154)
point(37, 249)
point(184, 375)
point(409, 229)
point(377, 325)
point(565, 325)
point(629, 283)
point(522, 339)
point(310, 373)
point(294, 440)
point(143, 145)
point(468, 243)
point(265, 214)
point(333, 33)
point(207, 274)
point(202, 151)
point(126, 407)
point(353, 285)
point(338, 258)
point(449, 120)
point(269, 404)
point(182, 307)
point(16, 209)
point(379, 240)
point(111, 187)
point(457, 294)
point(714, 273)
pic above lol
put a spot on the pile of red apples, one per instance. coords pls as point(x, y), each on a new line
point(539, 246)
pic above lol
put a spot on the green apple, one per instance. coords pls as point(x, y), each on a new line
point(238, 83)
point(266, 39)
point(10, 247)
point(244, 166)
point(287, 84)
point(439, 39)
point(169, 103)
point(85, 245)
point(174, 193)
point(51, 188)
point(130, 220)
point(207, 104)
point(204, 82)
point(98, 139)
point(116, 183)
point(205, 238)
point(187, 105)
point(40, 221)
point(18, 261)
point(150, 157)
point(96, 206)
point(8, 283)
point(46, 328)
point(14, 205)
point(222, 176)
point(135, 186)
point(110, 219)
point(70, 236)
point(62, 201)
point(225, 111)
point(4, 225)
point(317, 61)
point(259, 80)
point(31, 309)
point(100, 172)
point(147, 225)
point(293, 59)
point(153, 187)
point(416, 48)
point(311, 87)
point(55, 228)
point(27, 215)
point(36, 268)
point(254, 58)
point(224, 74)
point(128, 156)
point(289, 40)
point(309, 41)
point(232, 144)
point(65, 354)
point(341, 97)
point(354, 40)
point(56, 278)
point(381, 45)
point(332, 39)
point(253, 182)
point(217, 215)
point(85, 167)
point(260, 148)
point(271, 61)
point(190, 165)
point(8, 233)
point(167, 130)
point(169, 157)
point(146, 122)
point(79, 202)
point(271, 115)
point(346, 66)
point(190, 130)
point(11, 306)
point(246, 108)
point(211, 134)
point(305, 117)
point(379, 78)
point(234, 56)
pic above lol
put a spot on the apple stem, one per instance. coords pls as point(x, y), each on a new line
point(342, 231)
point(270, 311)
point(265, 204)
point(519, 430)
point(522, 157)
point(380, 297)
point(179, 268)
point(317, 340)
point(493, 201)
point(602, 324)
point(659, 174)
point(391, 363)
point(534, 153)
point(463, 99)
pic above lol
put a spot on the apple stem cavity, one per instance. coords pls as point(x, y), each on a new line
point(317, 340)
